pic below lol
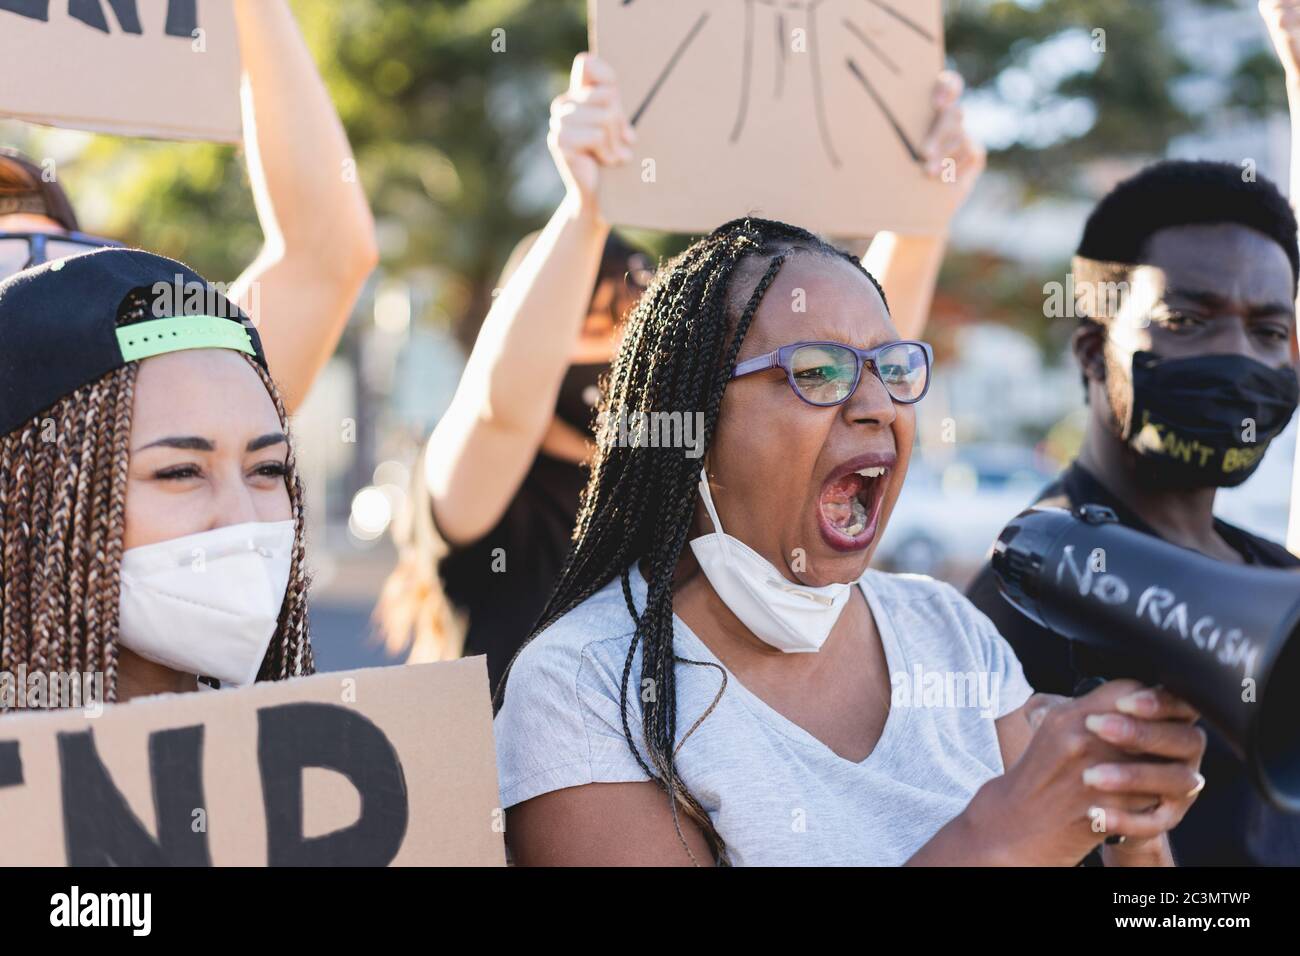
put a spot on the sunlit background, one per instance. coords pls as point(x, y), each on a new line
point(450, 142)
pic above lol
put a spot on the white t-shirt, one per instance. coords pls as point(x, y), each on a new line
point(776, 794)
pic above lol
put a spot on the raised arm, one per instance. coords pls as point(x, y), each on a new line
point(483, 445)
point(319, 237)
point(908, 266)
point(1283, 20)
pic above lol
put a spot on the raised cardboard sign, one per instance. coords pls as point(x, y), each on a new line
point(163, 68)
point(390, 765)
point(809, 111)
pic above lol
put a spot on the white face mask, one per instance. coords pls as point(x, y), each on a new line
point(792, 617)
point(207, 604)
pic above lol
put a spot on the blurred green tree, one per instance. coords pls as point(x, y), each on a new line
point(446, 106)
point(1068, 86)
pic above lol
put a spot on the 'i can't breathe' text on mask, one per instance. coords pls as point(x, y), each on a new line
point(207, 604)
point(1206, 421)
point(791, 617)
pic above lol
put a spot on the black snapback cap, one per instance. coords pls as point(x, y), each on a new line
point(59, 327)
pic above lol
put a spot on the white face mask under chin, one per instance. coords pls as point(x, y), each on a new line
point(207, 604)
point(791, 617)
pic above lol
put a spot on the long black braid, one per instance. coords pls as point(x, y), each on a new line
point(678, 352)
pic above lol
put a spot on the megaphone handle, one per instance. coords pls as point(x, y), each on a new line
point(1084, 667)
point(1087, 685)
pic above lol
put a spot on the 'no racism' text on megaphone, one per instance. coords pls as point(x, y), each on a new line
point(1224, 637)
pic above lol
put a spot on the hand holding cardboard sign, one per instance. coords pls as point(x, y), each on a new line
point(951, 155)
point(907, 264)
point(813, 111)
point(1283, 19)
point(588, 127)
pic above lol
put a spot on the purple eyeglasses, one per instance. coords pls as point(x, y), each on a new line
point(827, 373)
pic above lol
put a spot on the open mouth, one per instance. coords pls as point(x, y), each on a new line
point(849, 506)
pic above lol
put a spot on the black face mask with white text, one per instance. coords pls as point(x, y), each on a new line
point(1206, 421)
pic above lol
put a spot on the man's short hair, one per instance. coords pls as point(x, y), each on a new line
point(1179, 193)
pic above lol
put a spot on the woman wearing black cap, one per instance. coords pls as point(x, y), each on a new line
point(319, 242)
point(496, 492)
point(151, 525)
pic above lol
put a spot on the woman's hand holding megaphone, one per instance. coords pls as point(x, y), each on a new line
point(1122, 761)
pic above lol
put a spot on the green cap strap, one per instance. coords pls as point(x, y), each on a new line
point(140, 340)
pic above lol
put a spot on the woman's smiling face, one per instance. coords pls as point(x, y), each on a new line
point(783, 473)
point(207, 448)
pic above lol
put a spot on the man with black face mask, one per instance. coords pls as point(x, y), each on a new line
point(1187, 281)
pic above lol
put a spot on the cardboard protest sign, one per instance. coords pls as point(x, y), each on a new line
point(809, 111)
point(163, 68)
point(391, 765)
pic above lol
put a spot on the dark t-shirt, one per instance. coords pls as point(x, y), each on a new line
point(1230, 823)
point(501, 581)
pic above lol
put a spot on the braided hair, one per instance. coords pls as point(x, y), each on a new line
point(63, 478)
point(677, 355)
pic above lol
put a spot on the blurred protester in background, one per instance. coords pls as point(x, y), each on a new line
point(1189, 371)
point(447, 593)
point(37, 221)
point(497, 489)
point(319, 237)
